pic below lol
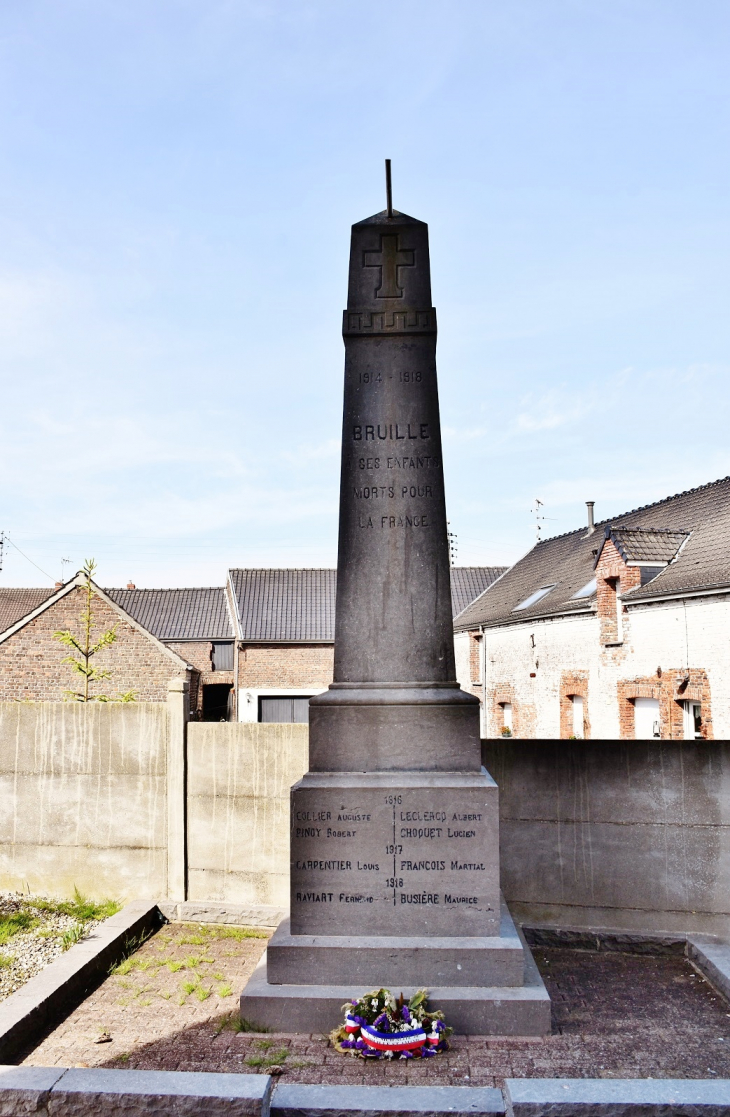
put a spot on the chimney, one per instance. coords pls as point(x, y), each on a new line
point(131, 586)
point(591, 524)
point(58, 586)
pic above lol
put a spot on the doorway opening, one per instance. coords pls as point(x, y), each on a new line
point(217, 701)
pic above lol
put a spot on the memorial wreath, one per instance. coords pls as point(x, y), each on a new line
point(379, 1026)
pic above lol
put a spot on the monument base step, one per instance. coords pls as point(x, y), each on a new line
point(395, 961)
point(470, 1010)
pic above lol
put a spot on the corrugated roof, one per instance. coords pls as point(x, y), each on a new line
point(293, 606)
point(468, 582)
point(646, 544)
point(567, 560)
point(199, 613)
point(17, 603)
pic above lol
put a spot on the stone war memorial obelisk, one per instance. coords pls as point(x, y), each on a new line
point(395, 827)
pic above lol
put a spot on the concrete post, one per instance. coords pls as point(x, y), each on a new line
point(178, 706)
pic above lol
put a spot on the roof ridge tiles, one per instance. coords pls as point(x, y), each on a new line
point(641, 508)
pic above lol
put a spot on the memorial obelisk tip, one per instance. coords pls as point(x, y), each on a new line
point(388, 190)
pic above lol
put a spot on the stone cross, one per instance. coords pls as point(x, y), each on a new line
point(388, 260)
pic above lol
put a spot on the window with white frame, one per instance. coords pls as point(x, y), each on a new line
point(578, 715)
point(692, 721)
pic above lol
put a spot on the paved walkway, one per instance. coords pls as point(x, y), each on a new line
point(614, 1016)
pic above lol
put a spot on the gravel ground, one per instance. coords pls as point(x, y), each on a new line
point(174, 1006)
point(27, 952)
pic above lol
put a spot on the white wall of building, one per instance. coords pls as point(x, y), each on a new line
point(670, 635)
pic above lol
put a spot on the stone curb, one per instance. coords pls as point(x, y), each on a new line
point(618, 1097)
point(297, 1100)
point(712, 958)
point(59, 1092)
point(63, 984)
point(204, 911)
point(604, 939)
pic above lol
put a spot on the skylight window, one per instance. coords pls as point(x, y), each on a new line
point(534, 597)
point(588, 590)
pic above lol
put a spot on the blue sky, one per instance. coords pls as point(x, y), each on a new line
point(177, 182)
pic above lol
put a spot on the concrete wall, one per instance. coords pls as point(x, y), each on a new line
point(239, 776)
point(135, 802)
point(615, 834)
point(83, 798)
point(593, 833)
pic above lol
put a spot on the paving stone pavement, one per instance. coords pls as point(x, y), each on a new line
point(614, 1016)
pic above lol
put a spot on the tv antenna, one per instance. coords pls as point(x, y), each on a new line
point(64, 563)
point(2, 547)
point(539, 518)
point(453, 544)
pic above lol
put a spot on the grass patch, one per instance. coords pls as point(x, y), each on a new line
point(6, 960)
point(244, 1025)
point(241, 933)
point(269, 1059)
point(225, 991)
point(80, 908)
point(125, 966)
point(202, 993)
point(189, 987)
point(13, 924)
point(175, 967)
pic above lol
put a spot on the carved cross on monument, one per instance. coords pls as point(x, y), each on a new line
point(388, 261)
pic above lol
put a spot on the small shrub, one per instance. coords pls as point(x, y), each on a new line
point(73, 935)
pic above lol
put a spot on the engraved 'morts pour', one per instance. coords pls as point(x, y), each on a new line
point(395, 827)
point(395, 703)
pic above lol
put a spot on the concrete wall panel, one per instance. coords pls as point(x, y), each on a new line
point(239, 777)
point(633, 835)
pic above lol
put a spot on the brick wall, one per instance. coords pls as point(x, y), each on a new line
point(285, 665)
point(671, 688)
point(31, 667)
point(613, 574)
point(572, 683)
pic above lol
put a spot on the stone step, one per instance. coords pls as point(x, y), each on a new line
point(470, 1010)
point(393, 961)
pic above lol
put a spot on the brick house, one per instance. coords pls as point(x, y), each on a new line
point(615, 631)
point(31, 667)
point(197, 625)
